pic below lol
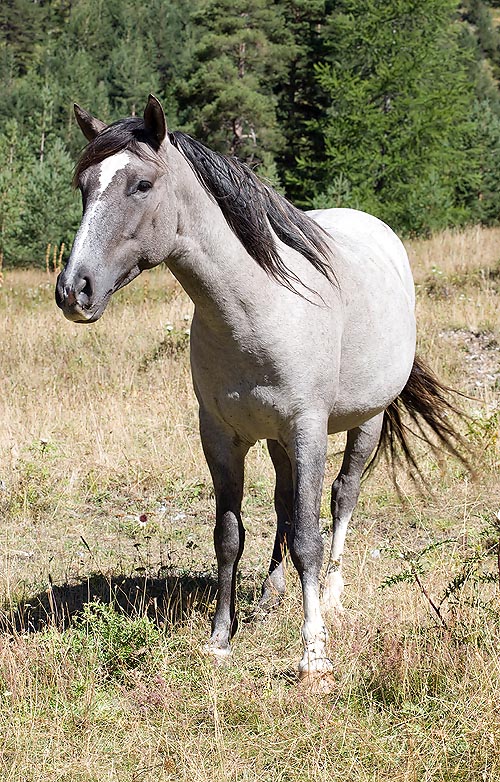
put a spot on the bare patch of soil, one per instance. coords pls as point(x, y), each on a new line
point(481, 352)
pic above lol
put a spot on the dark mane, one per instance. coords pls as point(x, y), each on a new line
point(250, 206)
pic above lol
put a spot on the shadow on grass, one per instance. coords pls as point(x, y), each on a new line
point(167, 600)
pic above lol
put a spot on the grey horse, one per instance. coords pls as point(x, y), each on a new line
point(303, 326)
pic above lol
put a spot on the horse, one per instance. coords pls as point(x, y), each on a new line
point(303, 326)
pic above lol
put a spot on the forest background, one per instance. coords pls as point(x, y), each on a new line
point(392, 107)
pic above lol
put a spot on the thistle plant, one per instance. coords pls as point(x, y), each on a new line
point(478, 568)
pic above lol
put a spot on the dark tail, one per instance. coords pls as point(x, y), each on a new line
point(425, 401)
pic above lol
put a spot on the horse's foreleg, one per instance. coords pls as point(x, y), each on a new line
point(307, 451)
point(345, 492)
point(225, 459)
point(274, 585)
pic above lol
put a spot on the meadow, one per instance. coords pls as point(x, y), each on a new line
point(107, 568)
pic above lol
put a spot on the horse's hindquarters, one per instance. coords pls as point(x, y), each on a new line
point(378, 319)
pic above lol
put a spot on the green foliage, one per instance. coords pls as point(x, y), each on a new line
point(484, 430)
point(488, 38)
point(477, 570)
point(415, 562)
point(300, 98)
point(120, 643)
point(22, 26)
point(485, 139)
point(175, 342)
point(14, 156)
point(37, 205)
point(389, 107)
point(400, 106)
point(240, 53)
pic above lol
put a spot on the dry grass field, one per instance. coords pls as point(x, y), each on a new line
point(107, 586)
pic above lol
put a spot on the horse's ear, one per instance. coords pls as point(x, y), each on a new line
point(154, 119)
point(89, 125)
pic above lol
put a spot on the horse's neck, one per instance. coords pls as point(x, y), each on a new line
point(209, 260)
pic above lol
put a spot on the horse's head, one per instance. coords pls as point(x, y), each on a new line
point(128, 220)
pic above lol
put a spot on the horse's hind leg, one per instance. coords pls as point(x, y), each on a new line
point(225, 459)
point(361, 443)
point(274, 585)
point(307, 452)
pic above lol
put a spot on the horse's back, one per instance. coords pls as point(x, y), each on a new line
point(351, 228)
point(348, 350)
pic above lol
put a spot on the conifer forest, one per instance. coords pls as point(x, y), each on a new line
point(392, 107)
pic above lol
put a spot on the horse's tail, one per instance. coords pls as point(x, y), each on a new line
point(425, 400)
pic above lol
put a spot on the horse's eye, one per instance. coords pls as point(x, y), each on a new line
point(143, 186)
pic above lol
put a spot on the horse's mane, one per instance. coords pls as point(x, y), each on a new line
point(250, 206)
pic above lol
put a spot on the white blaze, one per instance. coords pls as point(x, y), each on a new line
point(109, 167)
point(107, 170)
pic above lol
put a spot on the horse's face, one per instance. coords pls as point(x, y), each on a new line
point(127, 224)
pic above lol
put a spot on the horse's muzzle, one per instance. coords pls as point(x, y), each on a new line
point(74, 296)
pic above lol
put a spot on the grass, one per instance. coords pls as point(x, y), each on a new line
point(106, 500)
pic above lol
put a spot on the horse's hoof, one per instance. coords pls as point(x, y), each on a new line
point(317, 682)
point(331, 604)
point(315, 664)
point(268, 603)
point(334, 611)
point(330, 598)
point(273, 590)
point(219, 655)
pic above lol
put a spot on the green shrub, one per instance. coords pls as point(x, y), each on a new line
point(120, 643)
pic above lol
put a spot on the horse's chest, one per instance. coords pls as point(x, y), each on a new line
point(252, 407)
point(257, 379)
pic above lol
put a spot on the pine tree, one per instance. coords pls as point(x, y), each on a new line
point(22, 26)
point(132, 76)
point(54, 207)
point(301, 103)
point(399, 114)
point(37, 204)
point(15, 156)
point(479, 17)
point(240, 54)
point(390, 107)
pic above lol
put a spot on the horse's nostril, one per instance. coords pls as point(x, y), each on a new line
point(84, 290)
point(87, 289)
